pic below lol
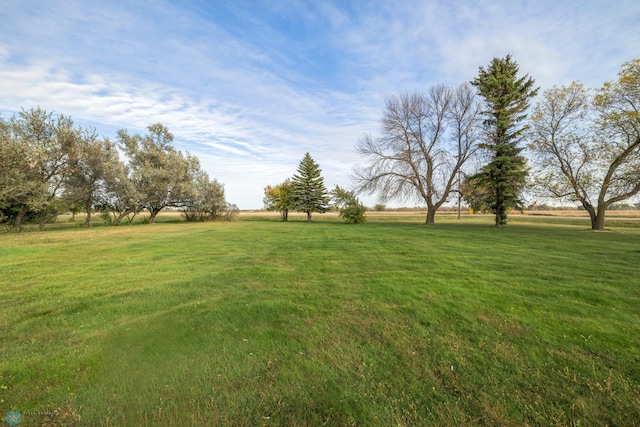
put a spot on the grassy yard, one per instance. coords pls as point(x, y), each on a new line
point(259, 322)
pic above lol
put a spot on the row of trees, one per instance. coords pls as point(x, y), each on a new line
point(466, 141)
point(306, 192)
point(585, 144)
point(48, 165)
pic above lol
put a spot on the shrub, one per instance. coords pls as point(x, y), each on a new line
point(354, 212)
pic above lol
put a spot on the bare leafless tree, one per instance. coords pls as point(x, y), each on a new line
point(425, 141)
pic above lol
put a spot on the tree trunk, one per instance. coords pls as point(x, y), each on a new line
point(284, 214)
point(118, 218)
point(431, 216)
point(153, 212)
point(130, 218)
point(309, 216)
point(500, 209)
point(597, 222)
point(458, 191)
point(87, 219)
point(43, 219)
point(595, 217)
point(18, 221)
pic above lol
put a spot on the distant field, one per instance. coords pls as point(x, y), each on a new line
point(422, 212)
point(258, 322)
point(65, 221)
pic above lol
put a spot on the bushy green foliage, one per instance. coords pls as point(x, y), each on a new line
point(37, 154)
point(206, 201)
point(350, 208)
point(94, 165)
point(354, 213)
point(161, 174)
point(278, 198)
point(48, 166)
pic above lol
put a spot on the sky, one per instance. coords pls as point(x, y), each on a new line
point(250, 86)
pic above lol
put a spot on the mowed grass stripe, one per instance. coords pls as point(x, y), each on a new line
point(262, 322)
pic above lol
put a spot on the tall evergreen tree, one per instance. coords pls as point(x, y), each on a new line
point(308, 193)
point(506, 97)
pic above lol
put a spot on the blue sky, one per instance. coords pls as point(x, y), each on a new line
point(250, 86)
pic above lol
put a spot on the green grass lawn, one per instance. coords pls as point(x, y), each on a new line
point(259, 322)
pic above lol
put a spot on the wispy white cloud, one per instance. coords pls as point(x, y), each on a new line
point(555, 42)
point(250, 87)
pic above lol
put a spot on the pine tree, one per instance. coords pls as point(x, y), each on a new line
point(506, 97)
point(308, 193)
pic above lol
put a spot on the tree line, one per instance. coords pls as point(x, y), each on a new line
point(306, 192)
point(469, 142)
point(48, 165)
point(466, 142)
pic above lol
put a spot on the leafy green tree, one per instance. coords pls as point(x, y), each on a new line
point(120, 198)
point(93, 163)
point(350, 208)
point(47, 165)
point(308, 193)
point(506, 98)
point(15, 182)
point(207, 200)
point(278, 198)
point(160, 173)
point(37, 156)
point(587, 147)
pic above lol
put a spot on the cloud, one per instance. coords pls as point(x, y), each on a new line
point(555, 42)
point(250, 87)
point(247, 148)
